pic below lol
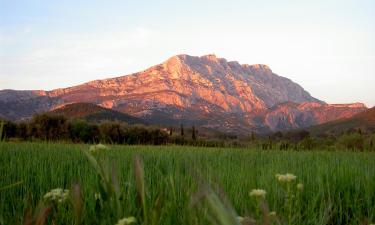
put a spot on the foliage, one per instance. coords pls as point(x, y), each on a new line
point(49, 127)
point(354, 142)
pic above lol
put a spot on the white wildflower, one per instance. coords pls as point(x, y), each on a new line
point(126, 221)
point(97, 148)
point(272, 214)
point(286, 178)
point(258, 193)
point(240, 219)
point(58, 194)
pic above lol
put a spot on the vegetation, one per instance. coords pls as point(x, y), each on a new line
point(69, 184)
point(55, 127)
point(94, 113)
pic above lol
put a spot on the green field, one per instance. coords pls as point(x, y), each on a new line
point(339, 187)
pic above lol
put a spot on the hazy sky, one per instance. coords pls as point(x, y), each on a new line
point(326, 46)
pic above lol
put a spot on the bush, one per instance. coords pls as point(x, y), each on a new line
point(354, 142)
point(82, 131)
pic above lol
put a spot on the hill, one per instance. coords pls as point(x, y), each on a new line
point(364, 121)
point(94, 113)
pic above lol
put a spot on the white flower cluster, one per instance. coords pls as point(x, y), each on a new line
point(126, 221)
point(286, 178)
point(58, 195)
point(258, 193)
point(97, 148)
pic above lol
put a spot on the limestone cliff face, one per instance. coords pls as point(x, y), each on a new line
point(292, 116)
point(185, 81)
point(206, 90)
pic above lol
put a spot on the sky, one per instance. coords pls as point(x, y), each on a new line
point(326, 46)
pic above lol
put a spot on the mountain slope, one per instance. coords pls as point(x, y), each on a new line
point(291, 115)
point(206, 91)
point(94, 113)
point(364, 121)
point(192, 82)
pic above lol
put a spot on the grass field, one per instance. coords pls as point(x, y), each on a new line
point(339, 187)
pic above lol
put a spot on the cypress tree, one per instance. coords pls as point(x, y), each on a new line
point(182, 130)
point(193, 134)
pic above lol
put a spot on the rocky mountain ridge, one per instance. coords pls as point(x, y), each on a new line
point(187, 89)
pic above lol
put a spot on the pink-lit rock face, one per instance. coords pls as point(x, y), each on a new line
point(291, 116)
point(201, 90)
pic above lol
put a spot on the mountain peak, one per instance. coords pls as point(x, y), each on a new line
point(211, 57)
point(260, 67)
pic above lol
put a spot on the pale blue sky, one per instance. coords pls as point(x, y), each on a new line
point(327, 46)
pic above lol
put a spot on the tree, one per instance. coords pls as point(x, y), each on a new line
point(182, 129)
point(9, 129)
point(111, 132)
point(170, 131)
point(82, 131)
point(23, 130)
point(193, 133)
point(252, 136)
point(308, 143)
point(49, 127)
point(352, 142)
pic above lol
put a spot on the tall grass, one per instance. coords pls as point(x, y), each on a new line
point(339, 187)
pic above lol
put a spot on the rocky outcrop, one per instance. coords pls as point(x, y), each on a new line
point(206, 90)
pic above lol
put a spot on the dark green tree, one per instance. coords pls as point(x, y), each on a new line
point(193, 133)
point(49, 127)
point(182, 129)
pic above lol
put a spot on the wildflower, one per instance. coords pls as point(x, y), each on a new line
point(258, 193)
point(300, 186)
point(240, 219)
point(126, 221)
point(286, 178)
point(272, 214)
point(58, 194)
point(97, 148)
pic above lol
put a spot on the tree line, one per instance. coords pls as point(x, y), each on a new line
point(52, 127)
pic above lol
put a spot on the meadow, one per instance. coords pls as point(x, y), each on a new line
point(187, 185)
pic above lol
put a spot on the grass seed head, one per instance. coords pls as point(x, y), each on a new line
point(286, 178)
point(59, 195)
point(258, 193)
point(125, 221)
point(97, 148)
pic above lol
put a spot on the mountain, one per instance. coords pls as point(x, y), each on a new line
point(293, 116)
point(207, 91)
point(94, 113)
point(364, 121)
